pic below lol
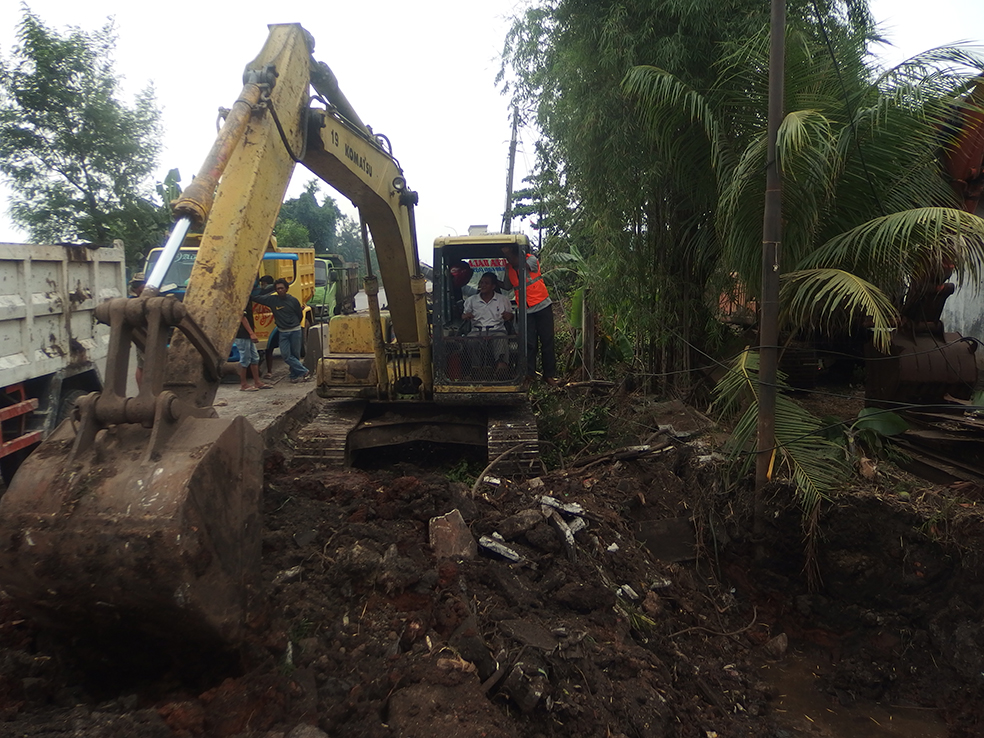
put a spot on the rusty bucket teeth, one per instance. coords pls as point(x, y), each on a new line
point(169, 547)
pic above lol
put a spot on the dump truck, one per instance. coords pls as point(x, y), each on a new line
point(336, 283)
point(50, 342)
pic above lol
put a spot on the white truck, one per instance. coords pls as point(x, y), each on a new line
point(49, 338)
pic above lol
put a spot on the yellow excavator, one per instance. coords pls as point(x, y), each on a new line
point(143, 512)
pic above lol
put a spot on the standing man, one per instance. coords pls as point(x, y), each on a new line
point(288, 316)
point(539, 315)
point(266, 285)
point(249, 358)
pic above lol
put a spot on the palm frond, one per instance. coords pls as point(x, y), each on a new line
point(738, 386)
point(667, 104)
point(814, 465)
point(832, 300)
point(894, 247)
point(940, 68)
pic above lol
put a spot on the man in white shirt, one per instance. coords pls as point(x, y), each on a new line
point(488, 311)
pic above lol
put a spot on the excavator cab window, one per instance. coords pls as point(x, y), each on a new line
point(468, 352)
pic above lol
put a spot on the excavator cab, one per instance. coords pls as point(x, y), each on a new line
point(469, 359)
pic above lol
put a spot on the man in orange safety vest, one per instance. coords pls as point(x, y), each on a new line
point(539, 315)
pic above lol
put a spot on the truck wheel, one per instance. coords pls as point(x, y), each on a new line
point(312, 346)
point(68, 402)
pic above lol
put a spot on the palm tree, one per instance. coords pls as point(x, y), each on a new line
point(865, 208)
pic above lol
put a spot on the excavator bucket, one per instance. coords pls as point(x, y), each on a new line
point(138, 514)
point(923, 368)
point(166, 546)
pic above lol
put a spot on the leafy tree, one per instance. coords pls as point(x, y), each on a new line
point(305, 222)
point(77, 159)
point(292, 235)
point(320, 220)
point(349, 244)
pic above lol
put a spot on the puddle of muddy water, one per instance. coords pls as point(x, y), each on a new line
point(803, 706)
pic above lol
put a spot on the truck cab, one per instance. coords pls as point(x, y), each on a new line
point(336, 283)
point(297, 266)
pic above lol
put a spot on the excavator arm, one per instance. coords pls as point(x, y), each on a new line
point(249, 168)
point(143, 512)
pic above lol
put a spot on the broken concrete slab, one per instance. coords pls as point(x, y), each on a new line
point(568, 508)
point(450, 537)
point(498, 547)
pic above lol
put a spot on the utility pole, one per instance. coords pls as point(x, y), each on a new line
point(507, 213)
point(769, 303)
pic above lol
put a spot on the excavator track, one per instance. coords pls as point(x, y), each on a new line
point(510, 427)
point(325, 439)
point(510, 431)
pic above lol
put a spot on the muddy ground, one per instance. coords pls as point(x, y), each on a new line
point(664, 618)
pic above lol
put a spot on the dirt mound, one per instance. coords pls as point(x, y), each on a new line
point(619, 599)
point(535, 635)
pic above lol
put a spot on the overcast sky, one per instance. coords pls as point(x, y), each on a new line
point(420, 72)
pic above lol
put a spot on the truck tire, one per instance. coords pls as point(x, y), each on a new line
point(68, 401)
point(312, 347)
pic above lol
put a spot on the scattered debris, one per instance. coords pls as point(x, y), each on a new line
point(380, 618)
point(288, 575)
point(565, 534)
point(570, 508)
point(496, 547)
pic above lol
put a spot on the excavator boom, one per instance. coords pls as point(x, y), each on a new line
point(143, 512)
